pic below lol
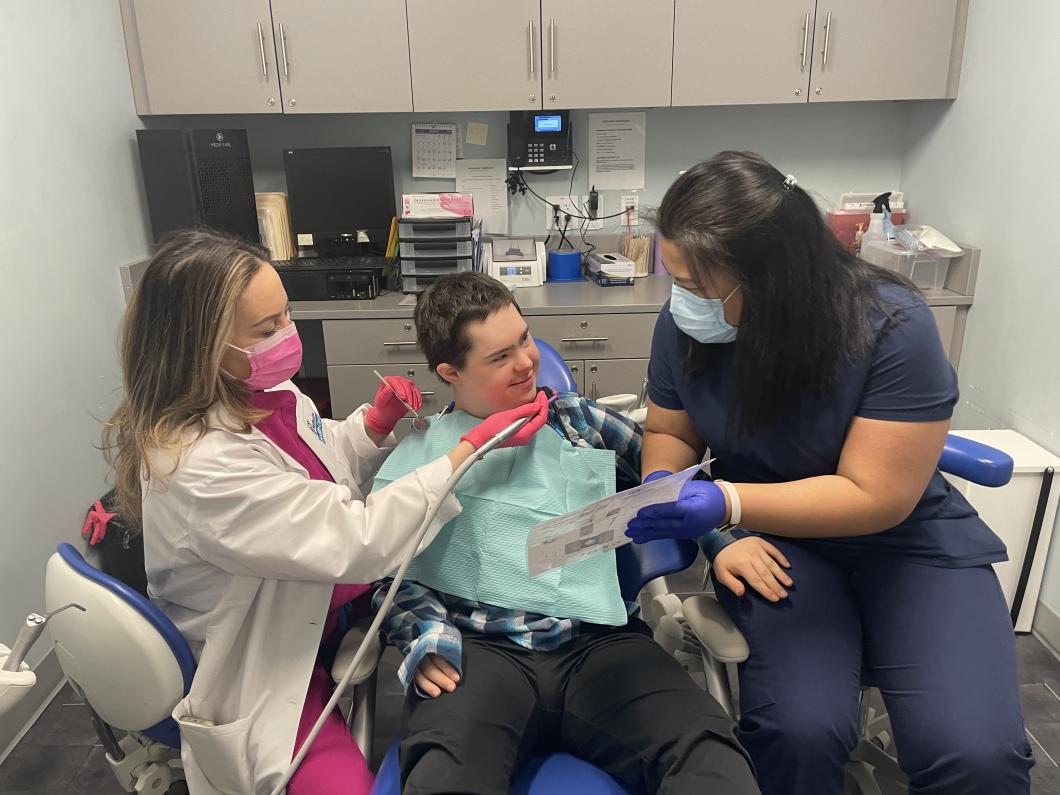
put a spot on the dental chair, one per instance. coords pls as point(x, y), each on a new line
point(699, 625)
point(637, 566)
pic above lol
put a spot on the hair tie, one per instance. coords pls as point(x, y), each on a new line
point(790, 182)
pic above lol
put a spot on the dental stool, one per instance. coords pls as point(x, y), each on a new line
point(702, 619)
point(131, 666)
point(128, 662)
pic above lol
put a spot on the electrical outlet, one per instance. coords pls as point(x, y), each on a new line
point(565, 206)
point(631, 200)
point(568, 206)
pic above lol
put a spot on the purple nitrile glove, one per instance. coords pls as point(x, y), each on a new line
point(699, 508)
point(658, 473)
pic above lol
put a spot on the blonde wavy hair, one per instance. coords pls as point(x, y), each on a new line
point(173, 336)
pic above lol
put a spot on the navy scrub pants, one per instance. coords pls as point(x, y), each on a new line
point(938, 642)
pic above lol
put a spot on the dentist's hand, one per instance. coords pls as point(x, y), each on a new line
point(537, 410)
point(436, 676)
point(699, 509)
point(386, 409)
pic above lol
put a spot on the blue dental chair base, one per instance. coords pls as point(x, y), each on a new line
point(542, 775)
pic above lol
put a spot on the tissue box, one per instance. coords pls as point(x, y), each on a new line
point(437, 205)
point(611, 264)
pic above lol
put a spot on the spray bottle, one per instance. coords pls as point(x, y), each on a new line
point(881, 211)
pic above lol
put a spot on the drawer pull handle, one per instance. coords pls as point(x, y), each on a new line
point(427, 394)
point(584, 339)
point(398, 344)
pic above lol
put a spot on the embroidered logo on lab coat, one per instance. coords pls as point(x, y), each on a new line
point(316, 425)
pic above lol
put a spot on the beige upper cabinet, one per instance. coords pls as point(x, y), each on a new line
point(747, 52)
point(607, 53)
point(201, 56)
point(475, 54)
point(902, 49)
point(342, 56)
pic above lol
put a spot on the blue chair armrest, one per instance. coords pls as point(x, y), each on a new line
point(975, 462)
point(639, 564)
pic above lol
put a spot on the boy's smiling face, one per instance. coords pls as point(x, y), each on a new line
point(500, 370)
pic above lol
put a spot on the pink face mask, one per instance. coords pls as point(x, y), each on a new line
point(273, 360)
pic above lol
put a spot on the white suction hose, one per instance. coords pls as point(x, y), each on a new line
point(373, 630)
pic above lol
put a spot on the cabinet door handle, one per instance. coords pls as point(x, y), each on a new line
point(642, 399)
point(530, 43)
point(827, 31)
point(592, 392)
point(584, 339)
point(552, 46)
point(283, 48)
point(398, 344)
point(261, 47)
point(427, 394)
point(805, 40)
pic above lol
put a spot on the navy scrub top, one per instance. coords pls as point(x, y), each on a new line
point(907, 378)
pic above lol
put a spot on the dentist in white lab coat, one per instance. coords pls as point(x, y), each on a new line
point(253, 508)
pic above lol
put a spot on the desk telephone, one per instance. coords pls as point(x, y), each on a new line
point(539, 141)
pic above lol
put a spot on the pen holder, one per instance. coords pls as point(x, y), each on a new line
point(564, 266)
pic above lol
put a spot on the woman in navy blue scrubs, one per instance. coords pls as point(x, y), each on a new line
point(819, 384)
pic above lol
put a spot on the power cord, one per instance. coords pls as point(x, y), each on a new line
point(524, 188)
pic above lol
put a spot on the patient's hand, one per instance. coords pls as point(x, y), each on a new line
point(436, 676)
point(758, 562)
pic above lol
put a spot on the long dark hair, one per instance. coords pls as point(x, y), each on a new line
point(806, 300)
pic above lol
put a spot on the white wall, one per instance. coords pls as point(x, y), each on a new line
point(70, 214)
point(984, 170)
point(830, 148)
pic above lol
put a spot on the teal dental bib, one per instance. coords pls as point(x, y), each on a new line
point(481, 554)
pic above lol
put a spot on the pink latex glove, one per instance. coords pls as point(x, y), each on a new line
point(386, 409)
point(492, 425)
point(95, 529)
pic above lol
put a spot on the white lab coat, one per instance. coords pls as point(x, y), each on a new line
point(242, 552)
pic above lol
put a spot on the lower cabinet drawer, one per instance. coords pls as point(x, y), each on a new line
point(596, 336)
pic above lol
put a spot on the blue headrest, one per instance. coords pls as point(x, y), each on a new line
point(553, 371)
point(155, 617)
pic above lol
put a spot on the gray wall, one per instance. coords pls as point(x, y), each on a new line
point(830, 148)
point(984, 170)
point(71, 214)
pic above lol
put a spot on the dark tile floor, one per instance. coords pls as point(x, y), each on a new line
point(61, 756)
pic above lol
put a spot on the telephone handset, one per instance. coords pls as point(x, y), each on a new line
point(539, 141)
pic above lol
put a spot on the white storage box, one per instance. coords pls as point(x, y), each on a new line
point(927, 270)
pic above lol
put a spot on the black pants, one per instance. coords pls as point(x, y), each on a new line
point(611, 696)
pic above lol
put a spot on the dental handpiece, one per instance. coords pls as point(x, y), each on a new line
point(28, 635)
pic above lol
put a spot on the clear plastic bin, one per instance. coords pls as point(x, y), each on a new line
point(432, 267)
point(416, 284)
point(423, 249)
point(434, 228)
point(927, 270)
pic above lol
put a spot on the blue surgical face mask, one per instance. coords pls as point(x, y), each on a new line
point(703, 319)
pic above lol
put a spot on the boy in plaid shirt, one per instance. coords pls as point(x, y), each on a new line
point(490, 683)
